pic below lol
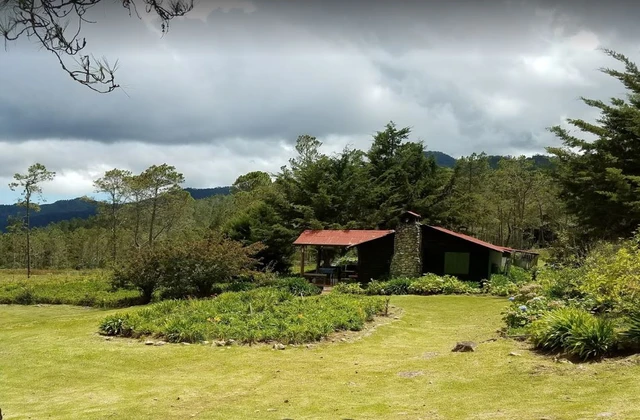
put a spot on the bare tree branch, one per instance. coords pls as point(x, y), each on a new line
point(48, 23)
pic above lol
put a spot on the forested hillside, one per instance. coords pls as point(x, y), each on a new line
point(78, 208)
point(443, 159)
point(584, 192)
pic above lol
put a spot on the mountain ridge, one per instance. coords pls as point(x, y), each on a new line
point(79, 208)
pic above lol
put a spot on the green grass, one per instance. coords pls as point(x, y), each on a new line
point(54, 365)
point(83, 288)
point(261, 315)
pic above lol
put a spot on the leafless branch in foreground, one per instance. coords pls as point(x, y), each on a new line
point(47, 21)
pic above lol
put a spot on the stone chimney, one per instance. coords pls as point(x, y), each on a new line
point(407, 255)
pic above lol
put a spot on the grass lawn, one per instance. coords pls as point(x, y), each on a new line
point(72, 287)
point(53, 365)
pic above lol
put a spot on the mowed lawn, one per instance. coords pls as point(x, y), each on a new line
point(53, 365)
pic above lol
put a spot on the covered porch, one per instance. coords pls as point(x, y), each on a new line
point(344, 255)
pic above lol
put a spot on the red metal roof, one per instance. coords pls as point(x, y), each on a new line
point(472, 240)
point(339, 237)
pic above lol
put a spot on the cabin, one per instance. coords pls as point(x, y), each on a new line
point(410, 250)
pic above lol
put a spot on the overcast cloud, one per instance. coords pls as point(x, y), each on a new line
point(229, 88)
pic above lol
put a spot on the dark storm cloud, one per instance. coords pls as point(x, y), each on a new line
point(244, 76)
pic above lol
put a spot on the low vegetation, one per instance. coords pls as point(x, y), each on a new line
point(586, 311)
point(82, 288)
point(261, 315)
point(429, 284)
point(403, 369)
point(432, 284)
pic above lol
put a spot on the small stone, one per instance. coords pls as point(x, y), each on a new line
point(205, 343)
point(155, 399)
point(465, 346)
point(286, 401)
point(343, 339)
point(513, 353)
point(279, 346)
point(396, 317)
point(184, 343)
point(160, 343)
point(271, 409)
point(148, 343)
point(219, 343)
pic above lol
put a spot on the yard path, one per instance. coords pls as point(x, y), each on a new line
point(53, 365)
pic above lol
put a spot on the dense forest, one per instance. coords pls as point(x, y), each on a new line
point(582, 192)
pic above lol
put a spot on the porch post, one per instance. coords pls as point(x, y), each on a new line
point(302, 249)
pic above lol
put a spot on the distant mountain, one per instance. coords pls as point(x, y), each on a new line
point(78, 208)
point(200, 193)
point(444, 160)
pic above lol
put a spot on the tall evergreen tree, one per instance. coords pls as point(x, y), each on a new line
point(600, 179)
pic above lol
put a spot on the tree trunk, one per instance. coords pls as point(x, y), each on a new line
point(153, 217)
point(28, 238)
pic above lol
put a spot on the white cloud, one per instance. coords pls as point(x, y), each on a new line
point(230, 88)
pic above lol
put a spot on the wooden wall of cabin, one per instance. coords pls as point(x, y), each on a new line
point(374, 259)
point(436, 243)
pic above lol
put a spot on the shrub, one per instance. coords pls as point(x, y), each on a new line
point(432, 284)
point(592, 339)
point(453, 286)
point(376, 287)
point(397, 286)
point(632, 334)
point(519, 275)
point(561, 283)
point(186, 269)
point(297, 286)
point(576, 332)
point(429, 284)
point(552, 331)
point(348, 288)
point(261, 315)
point(612, 277)
point(522, 313)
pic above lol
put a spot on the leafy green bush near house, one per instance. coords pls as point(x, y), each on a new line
point(429, 284)
point(575, 332)
point(507, 284)
point(349, 288)
point(260, 315)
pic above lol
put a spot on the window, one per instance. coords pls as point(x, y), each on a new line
point(456, 263)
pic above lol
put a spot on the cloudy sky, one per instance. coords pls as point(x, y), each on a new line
point(229, 88)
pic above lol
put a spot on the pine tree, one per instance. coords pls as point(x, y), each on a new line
point(600, 179)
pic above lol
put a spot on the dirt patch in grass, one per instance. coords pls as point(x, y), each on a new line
point(410, 374)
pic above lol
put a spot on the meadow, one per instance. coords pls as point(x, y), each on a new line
point(55, 365)
point(71, 287)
